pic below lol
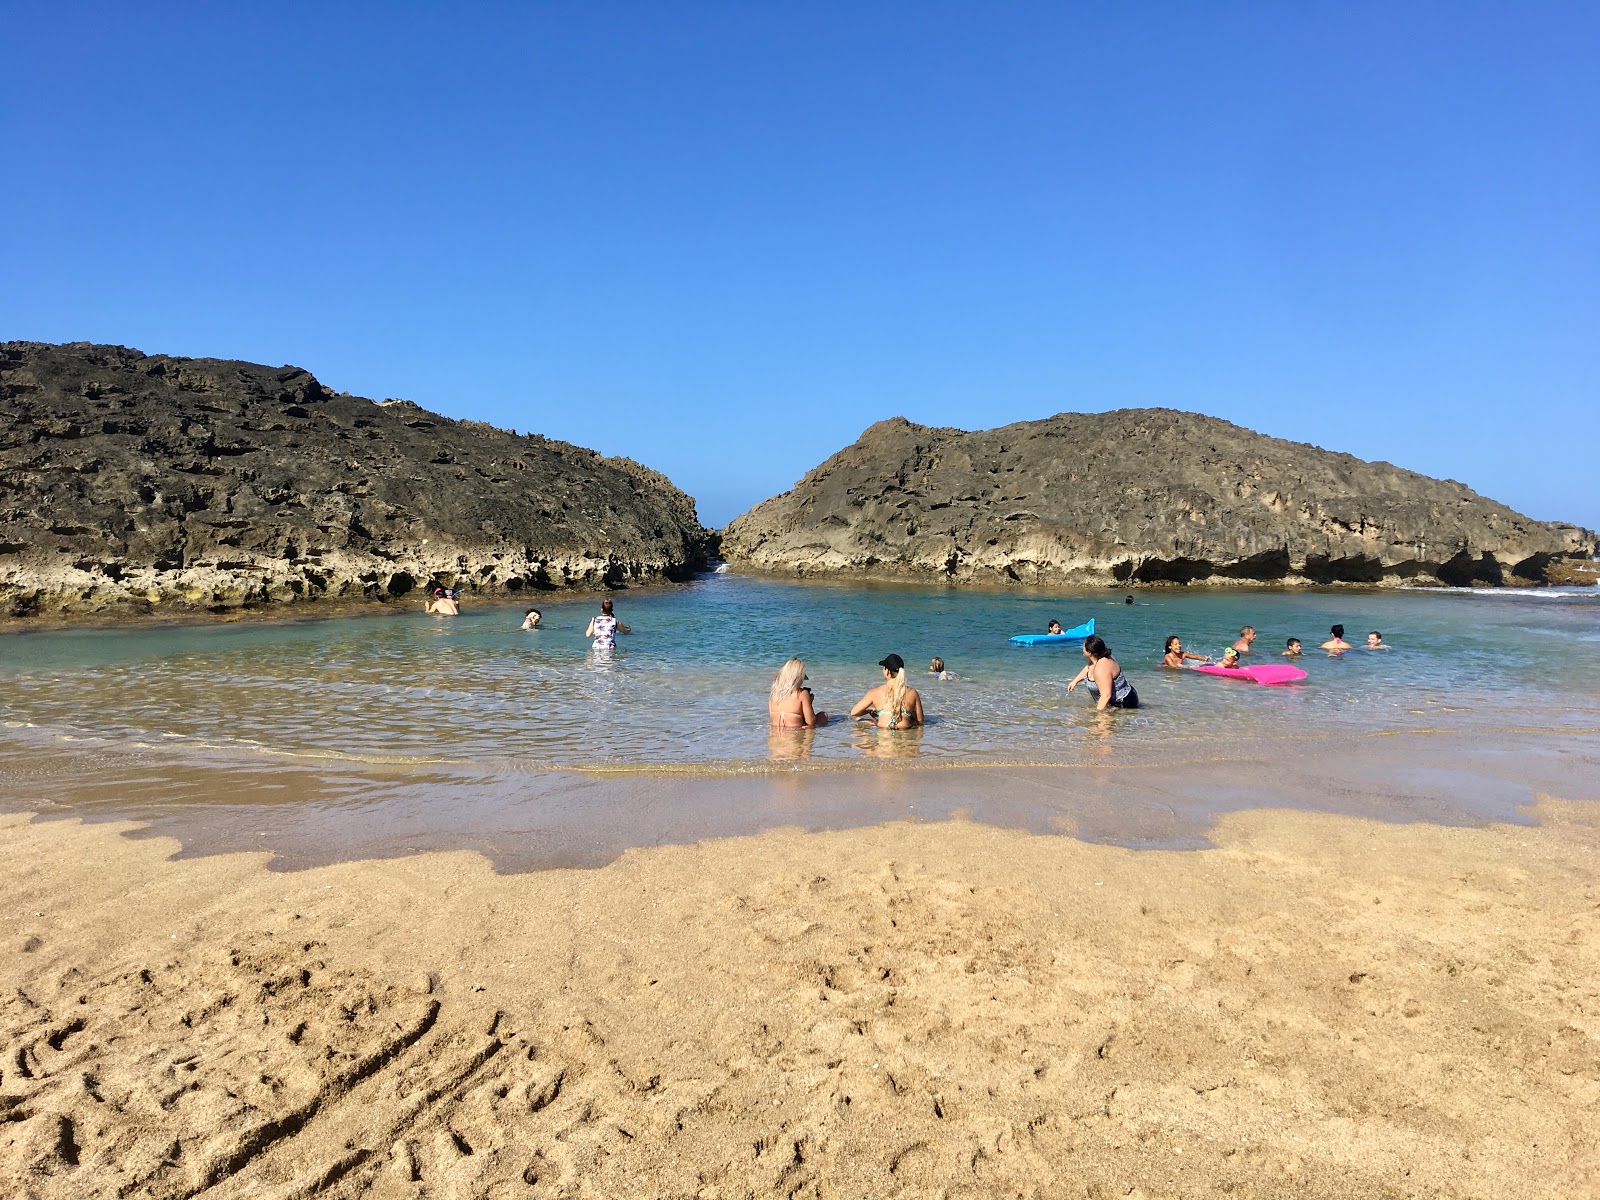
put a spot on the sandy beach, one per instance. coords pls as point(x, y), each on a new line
point(1320, 1006)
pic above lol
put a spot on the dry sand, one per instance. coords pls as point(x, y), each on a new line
point(1321, 1007)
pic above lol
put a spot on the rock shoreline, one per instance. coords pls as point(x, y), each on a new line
point(138, 484)
point(1138, 497)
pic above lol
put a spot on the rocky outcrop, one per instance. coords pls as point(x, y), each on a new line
point(1136, 496)
point(138, 481)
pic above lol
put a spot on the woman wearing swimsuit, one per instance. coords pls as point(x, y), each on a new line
point(892, 703)
point(790, 705)
point(604, 628)
point(1104, 678)
point(1176, 655)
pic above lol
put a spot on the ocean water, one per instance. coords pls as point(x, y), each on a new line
point(442, 714)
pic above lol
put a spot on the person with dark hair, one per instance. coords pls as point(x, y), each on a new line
point(442, 601)
point(604, 628)
point(1293, 650)
point(1336, 641)
point(1375, 641)
point(1175, 655)
point(1053, 628)
point(1103, 677)
point(891, 704)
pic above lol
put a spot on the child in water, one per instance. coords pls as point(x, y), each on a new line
point(936, 669)
point(1230, 658)
point(1294, 649)
point(1175, 654)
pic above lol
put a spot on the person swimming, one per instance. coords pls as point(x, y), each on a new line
point(1293, 650)
point(531, 619)
point(936, 669)
point(1054, 628)
point(1175, 655)
point(1375, 641)
point(1336, 640)
point(1104, 678)
point(891, 704)
point(1230, 658)
point(1247, 635)
point(790, 704)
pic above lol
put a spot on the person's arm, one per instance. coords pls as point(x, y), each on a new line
point(589, 632)
point(1102, 679)
point(808, 711)
point(866, 704)
point(1078, 678)
point(1197, 657)
point(624, 628)
point(916, 705)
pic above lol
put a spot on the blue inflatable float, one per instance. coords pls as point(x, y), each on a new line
point(1076, 634)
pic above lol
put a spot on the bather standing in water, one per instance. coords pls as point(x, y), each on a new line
point(604, 628)
point(1103, 676)
point(790, 704)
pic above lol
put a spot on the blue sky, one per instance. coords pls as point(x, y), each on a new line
point(724, 238)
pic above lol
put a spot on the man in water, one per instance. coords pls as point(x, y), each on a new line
point(1294, 649)
point(1375, 641)
point(1246, 636)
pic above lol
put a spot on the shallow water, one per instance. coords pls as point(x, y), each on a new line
point(470, 725)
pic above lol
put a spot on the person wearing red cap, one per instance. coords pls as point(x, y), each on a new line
point(892, 704)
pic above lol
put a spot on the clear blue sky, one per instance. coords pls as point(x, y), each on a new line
point(723, 238)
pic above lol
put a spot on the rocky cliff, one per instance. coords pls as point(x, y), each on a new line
point(130, 481)
point(1136, 496)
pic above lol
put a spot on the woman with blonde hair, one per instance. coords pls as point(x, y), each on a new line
point(790, 704)
point(892, 704)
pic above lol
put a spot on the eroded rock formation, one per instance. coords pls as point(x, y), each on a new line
point(1136, 496)
point(131, 481)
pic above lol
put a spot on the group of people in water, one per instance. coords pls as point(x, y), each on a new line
point(895, 704)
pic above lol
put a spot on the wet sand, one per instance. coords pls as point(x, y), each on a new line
point(1320, 1006)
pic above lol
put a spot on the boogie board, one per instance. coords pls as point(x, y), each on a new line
point(1075, 634)
point(1267, 673)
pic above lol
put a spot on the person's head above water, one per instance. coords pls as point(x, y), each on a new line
point(1054, 627)
point(1337, 631)
point(1247, 632)
point(936, 666)
point(1174, 644)
point(1294, 644)
point(1128, 600)
point(1374, 638)
point(1230, 657)
point(1095, 647)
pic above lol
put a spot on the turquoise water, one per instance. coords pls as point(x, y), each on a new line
point(687, 689)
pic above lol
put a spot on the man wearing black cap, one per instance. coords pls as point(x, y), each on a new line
point(893, 705)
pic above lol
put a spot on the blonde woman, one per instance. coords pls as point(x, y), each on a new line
point(892, 704)
point(790, 704)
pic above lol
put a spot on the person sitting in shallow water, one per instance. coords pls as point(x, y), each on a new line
point(790, 704)
point(1104, 678)
point(1247, 635)
point(891, 704)
point(936, 669)
point(1175, 654)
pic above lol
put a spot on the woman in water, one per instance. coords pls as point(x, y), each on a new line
point(790, 705)
point(604, 628)
point(1336, 642)
point(892, 703)
point(1104, 678)
point(1176, 654)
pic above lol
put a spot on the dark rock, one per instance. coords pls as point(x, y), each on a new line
point(1136, 496)
point(130, 481)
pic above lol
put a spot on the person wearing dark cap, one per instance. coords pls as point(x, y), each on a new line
point(892, 704)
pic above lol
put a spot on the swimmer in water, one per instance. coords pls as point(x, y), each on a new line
point(1336, 643)
point(1294, 649)
point(1375, 641)
point(1230, 658)
point(891, 704)
point(1055, 627)
point(531, 619)
point(936, 669)
point(790, 704)
point(1176, 655)
point(1103, 676)
point(1246, 636)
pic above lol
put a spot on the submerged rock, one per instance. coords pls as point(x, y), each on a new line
point(131, 481)
point(1136, 496)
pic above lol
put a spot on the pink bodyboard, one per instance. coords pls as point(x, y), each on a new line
point(1265, 673)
